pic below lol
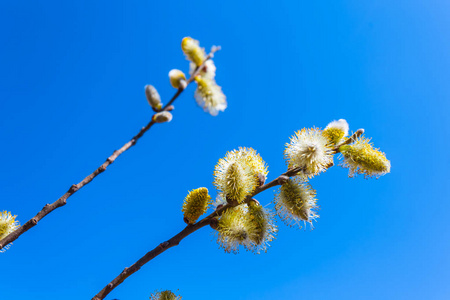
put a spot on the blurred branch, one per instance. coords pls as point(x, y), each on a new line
point(48, 208)
point(189, 229)
point(214, 49)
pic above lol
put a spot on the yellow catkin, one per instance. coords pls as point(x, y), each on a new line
point(250, 226)
point(237, 184)
point(193, 51)
point(362, 158)
point(238, 173)
point(334, 135)
point(261, 221)
point(232, 230)
point(195, 204)
point(8, 223)
point(310, 150)
point(295, 202)
point(209, 95)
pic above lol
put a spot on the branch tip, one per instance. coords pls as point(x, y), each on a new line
point(214, 49)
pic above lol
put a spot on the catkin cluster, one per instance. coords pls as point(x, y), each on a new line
point(208, 94)
point(241, 172)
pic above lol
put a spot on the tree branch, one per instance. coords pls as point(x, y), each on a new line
point(189, 229)
point(208, 220)
point(48, 208)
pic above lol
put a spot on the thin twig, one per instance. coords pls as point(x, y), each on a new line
point(175, 240)
point(48, 208)
point(350, 140)
point(192, 78)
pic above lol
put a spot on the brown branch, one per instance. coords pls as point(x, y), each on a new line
point(175, 240)
point(48, 208)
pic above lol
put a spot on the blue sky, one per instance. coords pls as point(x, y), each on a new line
point(71, 91)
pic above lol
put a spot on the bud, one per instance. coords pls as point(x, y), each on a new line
point(195, 204)
point(153, 97)
point(164, 295)
point(170, 108)
point(335, 131)
point(193, 51)
point(177, 79)
point(361, 158)
point(214, 223)
point(239, 173)
point(162, 117)
point(296, 202)
point(8, 224)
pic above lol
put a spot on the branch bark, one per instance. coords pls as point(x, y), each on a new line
point(189, 229)
point(48, 208)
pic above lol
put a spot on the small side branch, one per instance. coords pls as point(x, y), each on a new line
point(192, 78)
point(350, 140)
point(74, 188)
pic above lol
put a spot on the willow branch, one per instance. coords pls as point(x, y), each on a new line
point(208, 220)
point(189, 229)
point(48, 208)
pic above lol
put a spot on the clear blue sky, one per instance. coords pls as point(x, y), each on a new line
point(72, 76)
